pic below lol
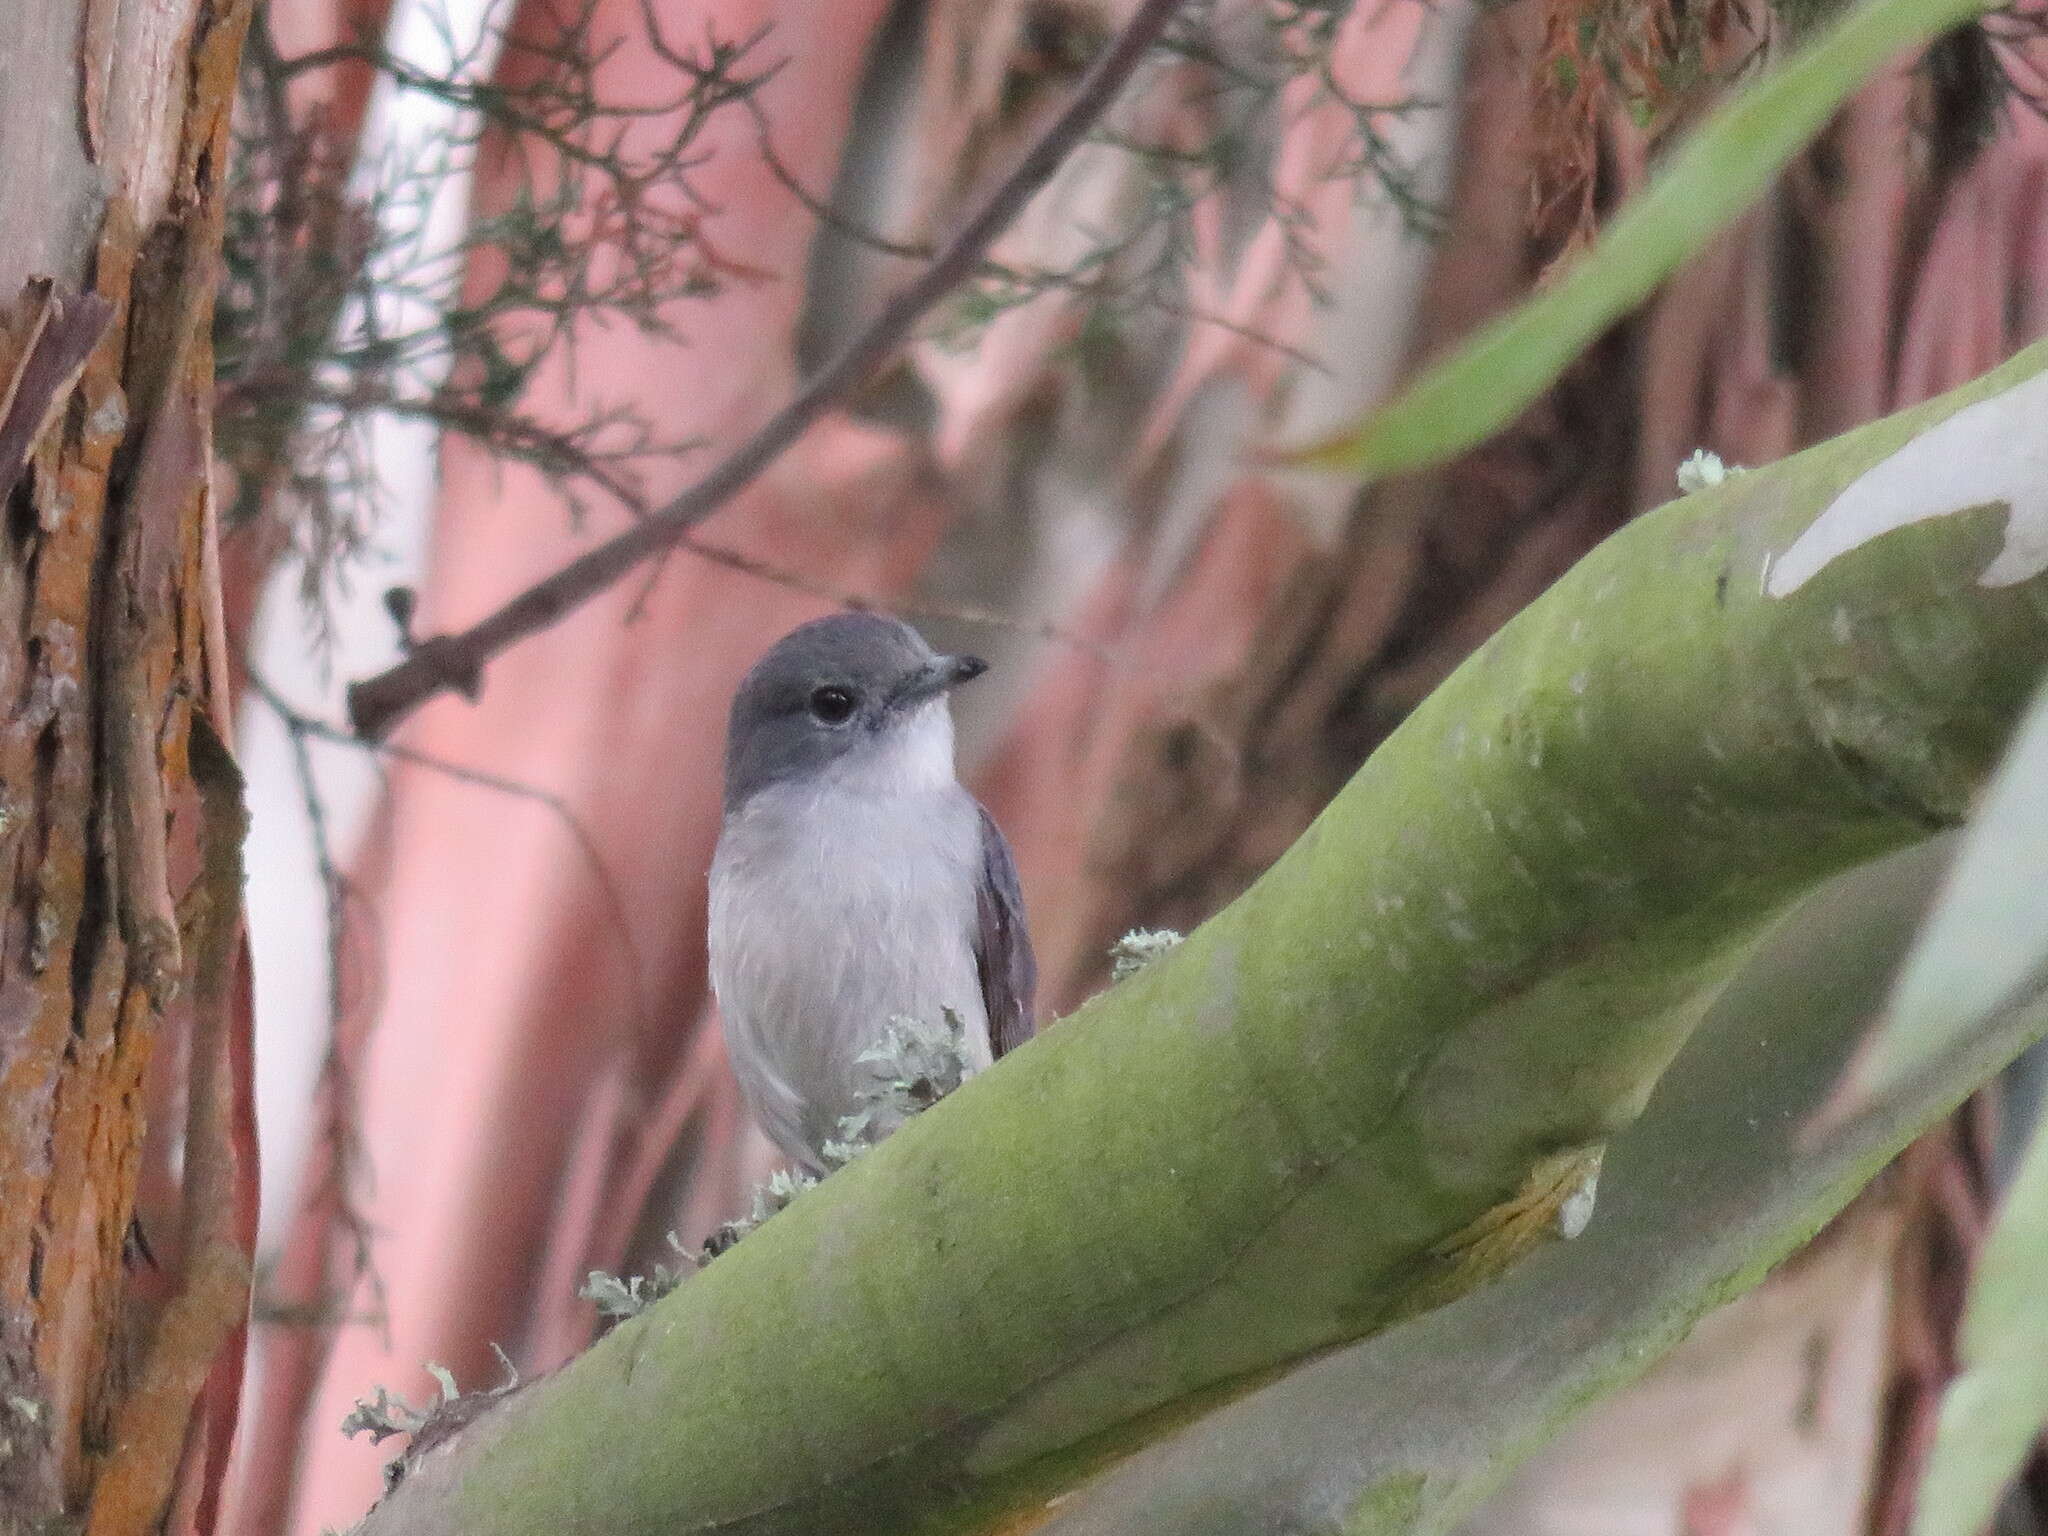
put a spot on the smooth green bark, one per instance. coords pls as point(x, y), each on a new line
point(1364, 1087)
point(1731, 1168)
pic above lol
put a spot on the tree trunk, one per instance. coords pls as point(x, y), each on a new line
point(1231, 642)
point(121, 927)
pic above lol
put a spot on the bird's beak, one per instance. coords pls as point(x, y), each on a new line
point(936, 676)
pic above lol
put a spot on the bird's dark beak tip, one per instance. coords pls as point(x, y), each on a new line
point(936, 677)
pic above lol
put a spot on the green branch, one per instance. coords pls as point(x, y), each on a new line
point(1376, 1079)
point(1731, 1168)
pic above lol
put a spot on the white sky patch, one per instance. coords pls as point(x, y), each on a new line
point(1993, 451)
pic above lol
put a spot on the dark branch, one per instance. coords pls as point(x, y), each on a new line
point(457, 661)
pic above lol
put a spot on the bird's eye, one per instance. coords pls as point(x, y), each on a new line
point(832, 705)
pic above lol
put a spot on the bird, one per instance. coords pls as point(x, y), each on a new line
point(855, 881)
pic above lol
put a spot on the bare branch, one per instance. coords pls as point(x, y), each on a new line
point(343, 304)
point(457, 661)
point(337, 1094)
point(344, 1143)
point(302, 728)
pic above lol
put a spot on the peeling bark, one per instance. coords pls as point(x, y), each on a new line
point(114, 131)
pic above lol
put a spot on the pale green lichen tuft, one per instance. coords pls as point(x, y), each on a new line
point(384, 1413)
point(1704, 470)
point(621, 1296)
point(1138, 949)
point(781, 1188)
point(911, 1067)
point(839, 1153)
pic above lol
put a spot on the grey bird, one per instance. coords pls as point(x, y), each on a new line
point(855, 880)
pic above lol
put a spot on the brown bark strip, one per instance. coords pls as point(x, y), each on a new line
point(221, 1403)
point(72, 1048)
point(64, 330)
point(98, 677)
point(95, 56)
point(209, 103)
point(173, 461)
point(131, 711)
point(213, 1300)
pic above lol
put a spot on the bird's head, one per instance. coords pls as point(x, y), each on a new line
point(855, 698)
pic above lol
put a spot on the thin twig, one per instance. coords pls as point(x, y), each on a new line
point(820, 208)
point(952, 613)
point(337, 1079)
point(343, 1142)
point(456, 661)
point(303, 727)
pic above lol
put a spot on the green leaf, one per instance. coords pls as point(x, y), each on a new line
point(1992, 1412)
point(1985, 947)
point(1713, 176)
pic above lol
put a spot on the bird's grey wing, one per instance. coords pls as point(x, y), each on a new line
point(1002, 944)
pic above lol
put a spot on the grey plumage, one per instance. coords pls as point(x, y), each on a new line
point(855, 880)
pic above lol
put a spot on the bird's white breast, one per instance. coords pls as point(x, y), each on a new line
point(838, 903)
